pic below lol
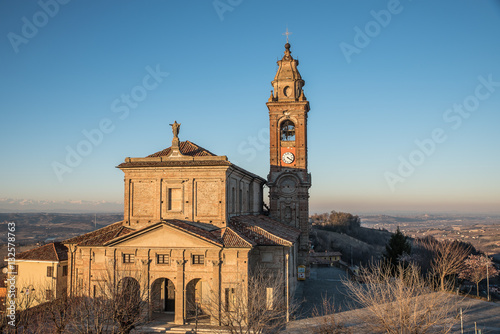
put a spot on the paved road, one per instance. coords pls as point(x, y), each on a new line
point(323, 281)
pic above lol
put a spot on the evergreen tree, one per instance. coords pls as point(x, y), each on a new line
point(397, 246)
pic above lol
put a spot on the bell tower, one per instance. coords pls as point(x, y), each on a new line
point(288, 179)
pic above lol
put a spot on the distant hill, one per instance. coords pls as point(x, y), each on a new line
point(481, 230)
point(365, 244)
point(32, 228)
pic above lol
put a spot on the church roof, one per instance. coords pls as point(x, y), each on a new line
point(234, 239)
point(54, 251)
point(100, 236)
point(242, 232)
point(187, 148)
point(265, 231)
point(193, 156)
point(225, 237)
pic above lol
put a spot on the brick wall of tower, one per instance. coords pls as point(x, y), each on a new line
point(290, 207)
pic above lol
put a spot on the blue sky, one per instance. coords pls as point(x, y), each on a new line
point(380, 76)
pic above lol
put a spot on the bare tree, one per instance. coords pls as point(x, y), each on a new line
point(92, 315)
point(446, 258)
point(52, 316)
point(116, 302)
point(477, 268)
point(259, 307)
point(401, 301)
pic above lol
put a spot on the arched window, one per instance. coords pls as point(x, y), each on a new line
point(287, 131)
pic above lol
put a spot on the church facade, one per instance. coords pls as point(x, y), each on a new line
point(194, 228)
point(193, 232)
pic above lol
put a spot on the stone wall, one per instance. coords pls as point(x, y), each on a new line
point(200, 194)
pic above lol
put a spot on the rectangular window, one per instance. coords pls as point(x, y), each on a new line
point(65, 271)
point(227, 299)
point(128, 258)
point(266, 257)
point(198, 259)
point(50, 271)
point(49, 295)
point(174, 199)
point(162, 258)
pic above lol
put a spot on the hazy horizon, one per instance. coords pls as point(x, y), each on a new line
point(103, 207)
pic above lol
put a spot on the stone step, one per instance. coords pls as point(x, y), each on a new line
point(173, 330)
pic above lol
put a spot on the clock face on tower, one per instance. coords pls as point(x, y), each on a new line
point(288, 157)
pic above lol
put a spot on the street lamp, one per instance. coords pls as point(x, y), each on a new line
point(27, 290)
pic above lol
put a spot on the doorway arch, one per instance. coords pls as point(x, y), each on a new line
point(163, 295)
point(197, 300)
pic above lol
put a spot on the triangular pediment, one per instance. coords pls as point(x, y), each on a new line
point(162, 235)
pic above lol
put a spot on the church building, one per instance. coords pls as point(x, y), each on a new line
point(195, 224)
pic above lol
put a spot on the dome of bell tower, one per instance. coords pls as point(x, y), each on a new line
point(287, 84)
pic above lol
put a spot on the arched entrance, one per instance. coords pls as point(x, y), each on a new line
point(129, 290)
point(127, 301)
point(197, 300)
point(163, 295)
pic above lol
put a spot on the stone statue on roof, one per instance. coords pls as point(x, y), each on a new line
point(175, 129)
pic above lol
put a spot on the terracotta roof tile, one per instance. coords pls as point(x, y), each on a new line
point(233, 239)
point(55, 251)
point(263, 230)
point(187, 148)
point(225, 237)
point(241, 232)
point(101, 236)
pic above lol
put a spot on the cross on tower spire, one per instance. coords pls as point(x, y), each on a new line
point(287, 33)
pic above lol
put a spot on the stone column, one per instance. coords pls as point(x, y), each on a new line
point(180, 293)
point(216, 289)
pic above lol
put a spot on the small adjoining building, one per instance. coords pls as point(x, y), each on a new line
point(324, 258)
point(41, 274)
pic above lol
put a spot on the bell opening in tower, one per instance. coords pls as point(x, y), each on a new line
point(287, 131)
